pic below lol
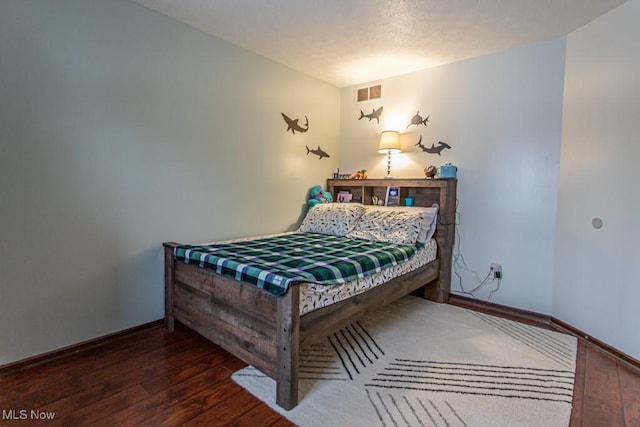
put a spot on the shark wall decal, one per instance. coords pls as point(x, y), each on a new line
point(375, 114)
point(293, 126)
point(433, 149)
point(317, 152)
point(418, 120)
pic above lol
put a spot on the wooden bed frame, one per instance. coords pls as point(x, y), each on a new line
point(267, 331)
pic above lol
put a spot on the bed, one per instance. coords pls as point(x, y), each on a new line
point(267, 328)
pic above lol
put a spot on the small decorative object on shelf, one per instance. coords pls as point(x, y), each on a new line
point(430, 172)
point(361, 174)
point(448, 171)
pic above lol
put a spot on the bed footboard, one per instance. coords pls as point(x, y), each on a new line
point(169, 263)
point(259, 328)
point(288, 332)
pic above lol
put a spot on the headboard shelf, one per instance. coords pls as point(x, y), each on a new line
point(425, 192)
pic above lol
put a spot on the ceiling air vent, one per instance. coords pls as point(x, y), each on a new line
point(371, 93)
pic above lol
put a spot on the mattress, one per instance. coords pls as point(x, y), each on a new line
point(273, 263)
point(314, 296)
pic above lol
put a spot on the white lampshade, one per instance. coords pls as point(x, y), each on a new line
point(389, 142)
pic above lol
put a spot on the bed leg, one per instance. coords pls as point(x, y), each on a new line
point(288, 349)
point(169, 278)
point(440, 289)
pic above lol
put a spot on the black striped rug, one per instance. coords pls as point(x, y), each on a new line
point(418, 363)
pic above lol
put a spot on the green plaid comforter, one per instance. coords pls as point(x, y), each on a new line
point(273, 263)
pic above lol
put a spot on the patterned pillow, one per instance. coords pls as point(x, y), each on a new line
point(393, 226)
point(428, 226)
point(335, 219)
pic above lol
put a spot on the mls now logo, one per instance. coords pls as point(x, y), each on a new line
point(23, 414)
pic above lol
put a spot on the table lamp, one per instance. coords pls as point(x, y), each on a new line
point(389, 144)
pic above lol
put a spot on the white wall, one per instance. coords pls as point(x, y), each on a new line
point(502, 116)
point(120, 129)
point(596, 276)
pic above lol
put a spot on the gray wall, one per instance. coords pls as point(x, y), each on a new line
point(121, 129)
point(596, 282)
point(502, 115)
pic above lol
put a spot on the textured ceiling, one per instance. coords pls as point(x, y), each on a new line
point(347, 42)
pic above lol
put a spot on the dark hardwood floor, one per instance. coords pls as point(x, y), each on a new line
point(155, 377)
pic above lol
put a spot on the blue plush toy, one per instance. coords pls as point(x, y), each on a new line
point(316, 196)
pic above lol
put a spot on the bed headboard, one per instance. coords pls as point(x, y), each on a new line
point(425, 192)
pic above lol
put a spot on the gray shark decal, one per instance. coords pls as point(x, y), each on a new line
point(418, 120)
point(375, 114)
point(317, 152)
point(433, 149)
point(293, 126)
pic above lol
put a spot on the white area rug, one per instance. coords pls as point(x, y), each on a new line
point(419, 363)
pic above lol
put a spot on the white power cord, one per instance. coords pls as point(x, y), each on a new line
point(460, 263)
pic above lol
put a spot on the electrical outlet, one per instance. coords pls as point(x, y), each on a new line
point(495, 271)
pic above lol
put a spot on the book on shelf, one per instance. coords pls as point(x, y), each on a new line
point(344, 197)
point(393, 196)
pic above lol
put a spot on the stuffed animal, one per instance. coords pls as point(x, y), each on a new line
point(316, 196)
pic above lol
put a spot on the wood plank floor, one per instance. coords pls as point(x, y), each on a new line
point(156, 378)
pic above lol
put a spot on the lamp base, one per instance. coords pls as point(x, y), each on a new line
point(388, 165)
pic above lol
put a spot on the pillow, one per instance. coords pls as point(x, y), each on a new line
point(393, 226)
point(335, 219)
point(428, 228)
point(430, 218)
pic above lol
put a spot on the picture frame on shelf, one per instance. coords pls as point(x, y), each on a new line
point(344, 197)
point(392, 197)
